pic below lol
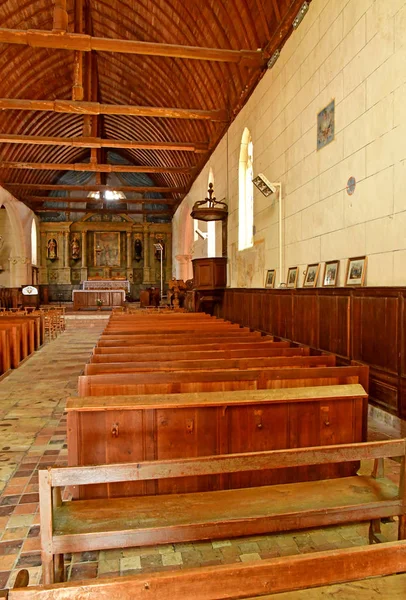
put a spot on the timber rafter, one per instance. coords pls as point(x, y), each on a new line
point(96, 108)
point(95, 168)
point(95, 142)
point(88, 43)
point(92, 188)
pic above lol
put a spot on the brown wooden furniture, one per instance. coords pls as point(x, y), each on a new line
point(174, 382)
point(362, 324)
point(87, 299)
point(209, 282)
point(243, 580)
point(86, 525)
point(275, 362)
point(119, 429)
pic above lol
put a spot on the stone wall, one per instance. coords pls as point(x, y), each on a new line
point(352, 52)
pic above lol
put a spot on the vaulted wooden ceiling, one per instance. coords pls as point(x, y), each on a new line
point(143, 89)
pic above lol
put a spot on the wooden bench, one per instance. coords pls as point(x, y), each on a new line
point(168, 355)
point(275, 362)
point(119, 429)
point(175, 382)
point(88, 525)
point(259, 343)
point(239, 580)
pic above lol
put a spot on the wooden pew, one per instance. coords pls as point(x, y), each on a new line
point(17, 342)
point(37, 318)
point(168, 355)
point(5, 351)
point(88, 525)
point(276, 362)
point(193, 346)
point(119, 429)
point(172, 340)
point(218, 380)
point(240, 580)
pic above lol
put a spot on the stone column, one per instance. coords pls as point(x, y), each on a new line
point(83, 270)
point(43, 268)
point(20, 271)
point(168, 260)
point(147, 268)
point(66, 249)
point(183, 266)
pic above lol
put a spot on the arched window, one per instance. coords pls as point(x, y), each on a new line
point(34, 242)
point(211, 226)
point(245, 193)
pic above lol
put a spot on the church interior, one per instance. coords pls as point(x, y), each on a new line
point(203, 299)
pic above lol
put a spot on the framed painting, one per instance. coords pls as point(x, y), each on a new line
point(325, 125)
point(312, 275)
point(356, 270)
point(270, 278)
point(330, 277)
point(106, 249)
point(293, 273)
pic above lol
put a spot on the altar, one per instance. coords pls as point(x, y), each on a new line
point(103, 284)
point(93, 299)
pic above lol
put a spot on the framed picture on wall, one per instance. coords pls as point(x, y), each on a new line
point(356, 270)
point(312, 275)
point(330, 277)
point(293, 273)
point(270, 278)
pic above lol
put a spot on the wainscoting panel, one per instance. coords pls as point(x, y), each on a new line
point(367, 325)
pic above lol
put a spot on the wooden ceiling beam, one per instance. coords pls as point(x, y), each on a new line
point(104, 211)
point(77, 87)
point(276, 10)
point(36, 199)
point(96, 142)
point(95, 168)
point(87, 43)
point(60, 21)
point(92, 188)
point(96, 108)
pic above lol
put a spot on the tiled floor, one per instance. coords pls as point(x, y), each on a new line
point(33, 435)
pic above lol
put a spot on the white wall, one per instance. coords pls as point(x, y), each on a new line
point(353, 51)
point(16, 229)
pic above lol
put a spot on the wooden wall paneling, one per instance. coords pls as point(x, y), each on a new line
point(334, 322)
point(305, 324)
point(363, 324)
point(375, 330)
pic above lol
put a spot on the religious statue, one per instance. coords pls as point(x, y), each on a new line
point(52, 249)
point(75, 248)
point(138, 250)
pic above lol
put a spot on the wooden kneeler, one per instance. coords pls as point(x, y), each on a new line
point(234, 581)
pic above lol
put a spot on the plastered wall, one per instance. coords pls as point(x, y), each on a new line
point(352, 51)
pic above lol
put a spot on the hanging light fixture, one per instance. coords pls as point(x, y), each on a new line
point(209, 209)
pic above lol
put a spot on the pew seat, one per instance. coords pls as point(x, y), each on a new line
point(100, 524)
